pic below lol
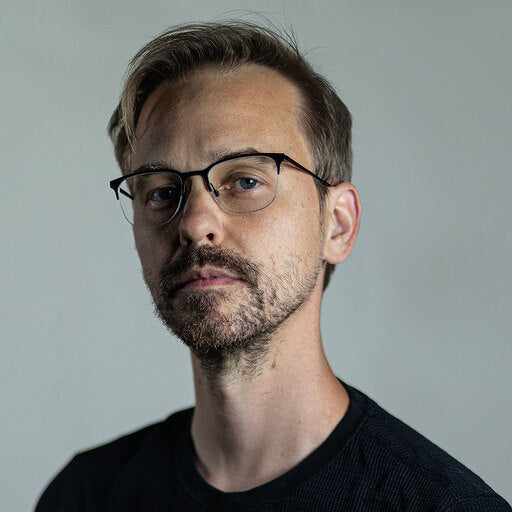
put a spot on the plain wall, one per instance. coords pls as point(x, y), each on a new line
point(419, 317)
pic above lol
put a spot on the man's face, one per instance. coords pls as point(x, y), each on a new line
point(223, 281)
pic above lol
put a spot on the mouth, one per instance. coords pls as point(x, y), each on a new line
point(205, 278)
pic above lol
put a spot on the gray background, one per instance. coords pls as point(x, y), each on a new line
point(419, 317)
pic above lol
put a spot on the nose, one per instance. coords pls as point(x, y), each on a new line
point(201, 216)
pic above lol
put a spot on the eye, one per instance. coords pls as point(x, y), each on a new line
point(245, 183)
point(163, 194)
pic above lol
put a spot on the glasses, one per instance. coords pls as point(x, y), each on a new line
point(239, 184)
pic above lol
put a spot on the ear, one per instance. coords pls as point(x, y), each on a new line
point(344, 211)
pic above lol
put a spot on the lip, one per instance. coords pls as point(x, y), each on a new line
point(207, 277)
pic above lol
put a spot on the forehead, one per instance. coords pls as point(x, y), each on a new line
point(213, 112)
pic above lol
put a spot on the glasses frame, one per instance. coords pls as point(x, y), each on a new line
point(278, 158)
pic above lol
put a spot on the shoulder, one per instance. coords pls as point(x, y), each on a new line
point(85, 480)
point(397, 461)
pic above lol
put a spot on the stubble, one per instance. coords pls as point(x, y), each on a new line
point(229, 328)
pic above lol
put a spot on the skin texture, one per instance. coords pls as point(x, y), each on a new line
point(265, 394)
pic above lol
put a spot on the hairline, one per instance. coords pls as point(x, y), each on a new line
point(211, 69)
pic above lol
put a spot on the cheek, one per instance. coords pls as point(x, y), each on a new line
point(297, 224)
point(150, 247)
point(280, 237)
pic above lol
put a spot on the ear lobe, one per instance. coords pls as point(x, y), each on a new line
point(343, 225)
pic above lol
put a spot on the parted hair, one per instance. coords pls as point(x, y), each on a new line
point(179, 51)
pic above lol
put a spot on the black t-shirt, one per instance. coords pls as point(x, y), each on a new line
point(370, 462)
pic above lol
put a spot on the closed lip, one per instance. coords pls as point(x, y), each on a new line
point(203, 275)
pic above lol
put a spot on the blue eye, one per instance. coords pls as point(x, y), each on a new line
point(247, 183)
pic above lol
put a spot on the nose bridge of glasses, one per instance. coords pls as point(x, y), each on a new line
point(200, 176)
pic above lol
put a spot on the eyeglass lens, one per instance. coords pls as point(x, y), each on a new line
point(245, 184)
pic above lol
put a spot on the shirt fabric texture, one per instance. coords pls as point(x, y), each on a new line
point(370, 462)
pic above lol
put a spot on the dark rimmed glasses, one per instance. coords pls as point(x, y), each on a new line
point(239, 184)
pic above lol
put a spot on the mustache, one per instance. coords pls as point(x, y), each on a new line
point(240, 268)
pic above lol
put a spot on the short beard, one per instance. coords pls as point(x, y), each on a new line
point(239, 339)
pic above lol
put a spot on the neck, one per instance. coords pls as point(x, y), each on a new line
point(250, 427)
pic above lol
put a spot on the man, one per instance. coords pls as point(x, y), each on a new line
point(236, 166)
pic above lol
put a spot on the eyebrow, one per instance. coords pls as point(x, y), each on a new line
point(216, 156)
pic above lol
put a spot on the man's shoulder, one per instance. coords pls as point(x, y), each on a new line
point(392, 455)
point(120, 449)
point(90, 471)
point(405, 447)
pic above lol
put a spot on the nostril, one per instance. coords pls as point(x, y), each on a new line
point(209, 236)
